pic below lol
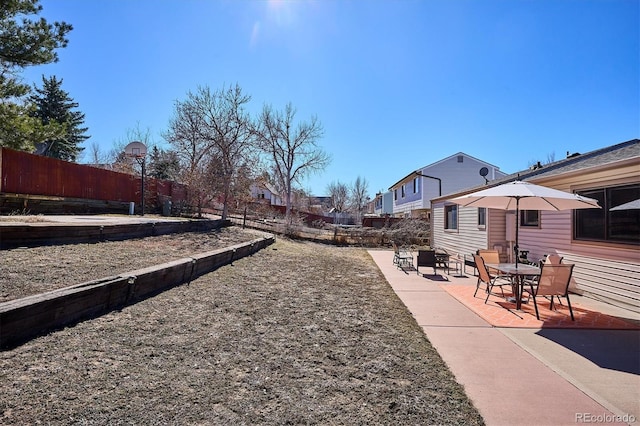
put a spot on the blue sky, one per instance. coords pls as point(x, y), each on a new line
point(397, 85)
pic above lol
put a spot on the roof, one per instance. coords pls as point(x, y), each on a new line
point(264, 184)
point(455, 156)
point(600, 157)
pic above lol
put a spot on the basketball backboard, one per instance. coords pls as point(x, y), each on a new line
point(135, 150)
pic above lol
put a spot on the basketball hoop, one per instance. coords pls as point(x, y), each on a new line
point(137, 151)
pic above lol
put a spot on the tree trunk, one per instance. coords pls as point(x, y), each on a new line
point(288, 210)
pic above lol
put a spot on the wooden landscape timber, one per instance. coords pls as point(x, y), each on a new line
point(23, 319)
point(48, 204)
point(30, 235)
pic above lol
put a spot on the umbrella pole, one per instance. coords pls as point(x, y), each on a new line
point(516, 248)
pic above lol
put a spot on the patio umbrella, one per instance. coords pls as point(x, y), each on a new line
point(518, 195)
point(631, 205)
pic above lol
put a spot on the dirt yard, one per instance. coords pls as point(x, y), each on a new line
point(299, 333)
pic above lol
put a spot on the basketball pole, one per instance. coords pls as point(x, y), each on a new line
point(142, 162)
point(141, 159)
point(138, 151)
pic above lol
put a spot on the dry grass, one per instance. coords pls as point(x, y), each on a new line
point(298, 333)
point(24, 218)
point(27, 271)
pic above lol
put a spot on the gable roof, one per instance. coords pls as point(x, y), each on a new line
point(600, 157)
point(264, 184)
point(456, 156)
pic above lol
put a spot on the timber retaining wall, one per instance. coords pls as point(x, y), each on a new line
point(23, 319)
point(30, 235)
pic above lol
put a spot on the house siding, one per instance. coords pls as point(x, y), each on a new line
point(496, 222)
point(607, 271)
point(406, 208)
point(474, 238)
point(455, 176)
point(384, 203)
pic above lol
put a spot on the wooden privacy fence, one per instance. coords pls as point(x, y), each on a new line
point(30, 316)
point(42, 184)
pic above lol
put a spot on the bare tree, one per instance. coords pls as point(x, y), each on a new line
point(184, 134)
point(212, 131)
point(228, 130)
point(359, 194)
point(293, 152)
point(96, 156)
point(551, 158)
point(339, 193)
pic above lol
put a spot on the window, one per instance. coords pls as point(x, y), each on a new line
point(402, 191)
point(620, 226)
point(530, 218)
point(460, 158)
point(416, 185)
point(482, 217)
point(451, 217)
point(395, 194)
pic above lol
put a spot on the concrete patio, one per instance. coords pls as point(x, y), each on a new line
point(526, 376)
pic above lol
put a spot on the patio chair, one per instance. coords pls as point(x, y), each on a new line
point(427, 258)
point(492, 256)
point(553, 281)
point(486, 278)
point(401, 257)
point(554, 259)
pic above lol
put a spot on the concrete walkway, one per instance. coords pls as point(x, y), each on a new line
point(526, 376)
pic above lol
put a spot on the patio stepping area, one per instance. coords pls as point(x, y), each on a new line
point(500, 313)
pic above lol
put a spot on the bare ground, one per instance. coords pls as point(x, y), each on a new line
point(298, 333)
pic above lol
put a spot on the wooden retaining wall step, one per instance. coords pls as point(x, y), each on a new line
point(30, 235)
point(23, 319)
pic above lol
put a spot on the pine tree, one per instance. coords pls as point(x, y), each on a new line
point(24, 42)
point(53, 105)
point(163, 164)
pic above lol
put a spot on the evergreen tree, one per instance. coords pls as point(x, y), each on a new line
point(24, 42)
point(53, 105)
point(163, 164)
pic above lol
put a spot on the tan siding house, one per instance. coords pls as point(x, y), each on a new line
point(608, 265)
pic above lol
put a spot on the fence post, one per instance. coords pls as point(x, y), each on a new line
point(244, 219)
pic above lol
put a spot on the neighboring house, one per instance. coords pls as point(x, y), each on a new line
point(412, 193)
point(263, 192)
point(383, 203)
point(603, 244)
point(320, 203)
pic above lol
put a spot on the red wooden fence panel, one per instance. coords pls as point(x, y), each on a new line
point(24, 173)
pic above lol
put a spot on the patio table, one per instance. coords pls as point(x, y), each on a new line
point(458, 264)
point(518, 272)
